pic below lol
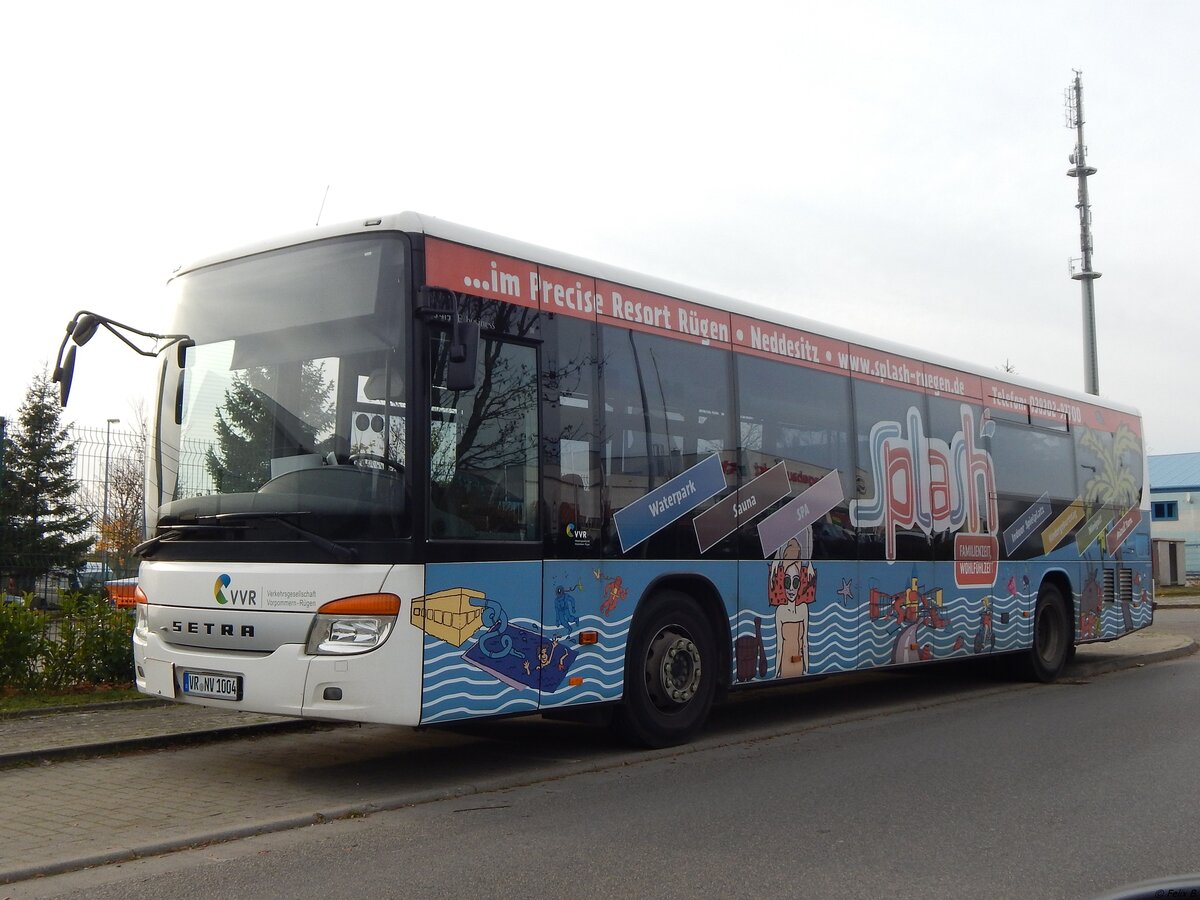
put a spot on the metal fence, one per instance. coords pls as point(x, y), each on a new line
point(109, 473)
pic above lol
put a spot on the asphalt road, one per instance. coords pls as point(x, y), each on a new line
point(916, 785)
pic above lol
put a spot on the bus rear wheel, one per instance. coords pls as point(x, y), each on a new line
point(670, 672)
point(1052, 637)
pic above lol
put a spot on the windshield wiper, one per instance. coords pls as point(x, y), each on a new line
point(339, 552)
point(147, 548)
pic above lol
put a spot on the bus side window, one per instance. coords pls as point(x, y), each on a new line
point(571, 462)
point(668, 407)
point(483, 478)
point(800, 417)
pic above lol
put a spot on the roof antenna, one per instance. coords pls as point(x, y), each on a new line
point(322, 209)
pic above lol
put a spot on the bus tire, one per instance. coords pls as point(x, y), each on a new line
point(1052, 637)
point(671, 664)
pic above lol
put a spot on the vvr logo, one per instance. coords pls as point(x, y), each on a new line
point(235, 598)
point(577, 534)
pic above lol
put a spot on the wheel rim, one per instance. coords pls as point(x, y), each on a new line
point(673, 669)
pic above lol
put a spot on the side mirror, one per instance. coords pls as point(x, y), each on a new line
point(182, 351)
point(64, 375)
point(464, 353)
point(85, 328)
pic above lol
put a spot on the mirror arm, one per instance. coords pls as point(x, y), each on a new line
point(83, 326)
point(458, 349)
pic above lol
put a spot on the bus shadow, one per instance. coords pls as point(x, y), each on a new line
point(459, 757)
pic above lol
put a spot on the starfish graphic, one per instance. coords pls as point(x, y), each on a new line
point(845, 591)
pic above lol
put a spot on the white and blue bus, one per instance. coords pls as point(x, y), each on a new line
point(407, 472)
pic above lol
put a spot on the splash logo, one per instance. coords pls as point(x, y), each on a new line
point(923, 482)
point(235, 598)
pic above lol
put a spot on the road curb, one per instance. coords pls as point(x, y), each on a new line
point(1078, 668)
point(132, 703)
point(1114, 663)
point(157, 741)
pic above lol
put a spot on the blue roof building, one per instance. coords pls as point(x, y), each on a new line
point(1175, 502)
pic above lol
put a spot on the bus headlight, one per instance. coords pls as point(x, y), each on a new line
point(141, 622)
point(352, 624)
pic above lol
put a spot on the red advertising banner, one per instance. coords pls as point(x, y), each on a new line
point(566, 293)
point(976, 560)
point(645, 311)
point(951, 382)
point(1045, 409)
point(481, 273)
point(765, 339)
point(497, 277)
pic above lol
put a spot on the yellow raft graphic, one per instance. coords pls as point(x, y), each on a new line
point(448, 615)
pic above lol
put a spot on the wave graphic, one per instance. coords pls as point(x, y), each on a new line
point(451, 654)
point(481, 679)
point(609, 675)
point(837, 659)
point(460, 712)
point(464, 695)
point(455, 688)
point(582, 697)
point(963, 620)
point(611, 656)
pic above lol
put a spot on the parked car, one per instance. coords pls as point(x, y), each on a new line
point(48, 589)
point(93, 574)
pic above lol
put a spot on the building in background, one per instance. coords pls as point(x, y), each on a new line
point(1175, 508)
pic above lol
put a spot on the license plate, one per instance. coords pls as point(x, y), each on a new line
point(212, 684)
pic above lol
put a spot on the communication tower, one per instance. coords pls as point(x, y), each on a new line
point(1080, 171)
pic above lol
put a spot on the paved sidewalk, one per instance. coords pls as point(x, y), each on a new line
point(67, 815)
point(1135, 649)
point(1187, 601)
point(98, 729)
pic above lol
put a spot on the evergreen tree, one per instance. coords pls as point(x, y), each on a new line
point(41, 524)
point(252, 428)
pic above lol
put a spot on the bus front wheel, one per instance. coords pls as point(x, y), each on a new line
point(670, 672)
point(1052, 637)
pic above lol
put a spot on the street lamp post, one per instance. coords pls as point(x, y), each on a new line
point(104, 518)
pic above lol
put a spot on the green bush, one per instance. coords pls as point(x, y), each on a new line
point(108, 645)
point(22, 635)
point(62, 651)
point(85, 642)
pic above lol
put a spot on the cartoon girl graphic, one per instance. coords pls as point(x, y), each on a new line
point(791, 587)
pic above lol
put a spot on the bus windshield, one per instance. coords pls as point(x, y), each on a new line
point(290, 409)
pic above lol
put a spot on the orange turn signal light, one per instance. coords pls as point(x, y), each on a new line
point(139, 596)
point(589, 637)
point(363, 605)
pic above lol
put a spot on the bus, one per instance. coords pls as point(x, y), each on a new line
point(403, 471)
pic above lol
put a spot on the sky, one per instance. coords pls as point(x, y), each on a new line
point(897, 168)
